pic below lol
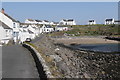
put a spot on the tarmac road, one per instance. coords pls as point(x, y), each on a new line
point(17, 62)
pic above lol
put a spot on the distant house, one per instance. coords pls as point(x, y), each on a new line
point(47, 28)
point(29, 31)
point(109, 21)
point(71, 22)
point(46, 22)
point(67, 22)
point(39, 22)
point(61, 28)
point(117, 22)
point(91, 22)
point(54, 23)
point(5, 33)
point(31, 21)
point(12, 23)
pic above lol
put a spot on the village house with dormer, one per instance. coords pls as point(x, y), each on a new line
point(67, 22)
point(91, 22)
point(117, 22)
point(109, 21)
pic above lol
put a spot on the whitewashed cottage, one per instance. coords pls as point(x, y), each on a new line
point(91, 22)
point(61, 28)
point(47, 28)
point(12, 23)
point(31, 21)
point(29, 31)
point(67, 22)
point(109, 21)
point(117, 22)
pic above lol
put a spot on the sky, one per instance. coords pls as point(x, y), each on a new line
point(81, 12)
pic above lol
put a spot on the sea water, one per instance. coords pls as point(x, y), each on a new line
point(98, 47)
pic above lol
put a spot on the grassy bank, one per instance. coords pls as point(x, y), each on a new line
point(90, 30)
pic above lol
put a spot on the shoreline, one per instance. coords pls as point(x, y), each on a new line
point(84, 40)
point(67, 63)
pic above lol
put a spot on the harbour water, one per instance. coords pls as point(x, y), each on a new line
point(98, 47)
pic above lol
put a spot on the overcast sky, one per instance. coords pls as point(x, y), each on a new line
point(55, 11)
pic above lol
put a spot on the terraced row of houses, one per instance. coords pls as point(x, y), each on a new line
point(62, 22)
point(11, 29)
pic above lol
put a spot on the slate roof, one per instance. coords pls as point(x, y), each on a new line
point(10, 17)
point(4, 25)
point(91, 20)
point(108, 19)
point(30, 20)
point(117, 21)
point(64, 20)
point(46, 21)
point(30, 31)
point(38, 20)
point(70, 20)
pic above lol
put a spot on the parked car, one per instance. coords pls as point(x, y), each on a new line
point(28, 40)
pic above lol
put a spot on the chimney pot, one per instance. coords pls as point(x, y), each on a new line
point(2, 11)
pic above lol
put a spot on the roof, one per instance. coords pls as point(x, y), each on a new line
point(10, 17)
point(38, 20)
point(30, 31)
point(91, 20)
point(108, 19)
point(46, 21)
point(70, 20)
point(64, 20)
point(30, 19)
point(4, 25)
point(117, 21)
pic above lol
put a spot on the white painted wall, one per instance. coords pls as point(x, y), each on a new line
point(5, 35)
point(61, 28)
point(45, 29)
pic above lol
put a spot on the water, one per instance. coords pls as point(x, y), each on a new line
point(98, 47)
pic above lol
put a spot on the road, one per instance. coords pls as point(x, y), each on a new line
point(17, 62)
point(38, 38)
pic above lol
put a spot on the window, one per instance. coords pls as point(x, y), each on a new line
point(14, 34)
point(13, 25)
point(6, 33)
point(6, 30)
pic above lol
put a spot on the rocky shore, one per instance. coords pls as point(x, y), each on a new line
point(65, 62)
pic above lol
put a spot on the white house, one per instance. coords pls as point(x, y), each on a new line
point(71, 22)
point(5, 33)
point(39, 22)
point(67, 22)
point(91, 22)
point(12, 23)
point(117, 22)
point(54, 23)
point(47, 28)
point(61, 28)
point(31, 21)
point(109, 21)
point(29, 31)
point(46, 22)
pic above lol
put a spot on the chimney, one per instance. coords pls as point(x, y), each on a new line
point(2, 11)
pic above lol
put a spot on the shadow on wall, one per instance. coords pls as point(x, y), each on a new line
point(39, 66)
